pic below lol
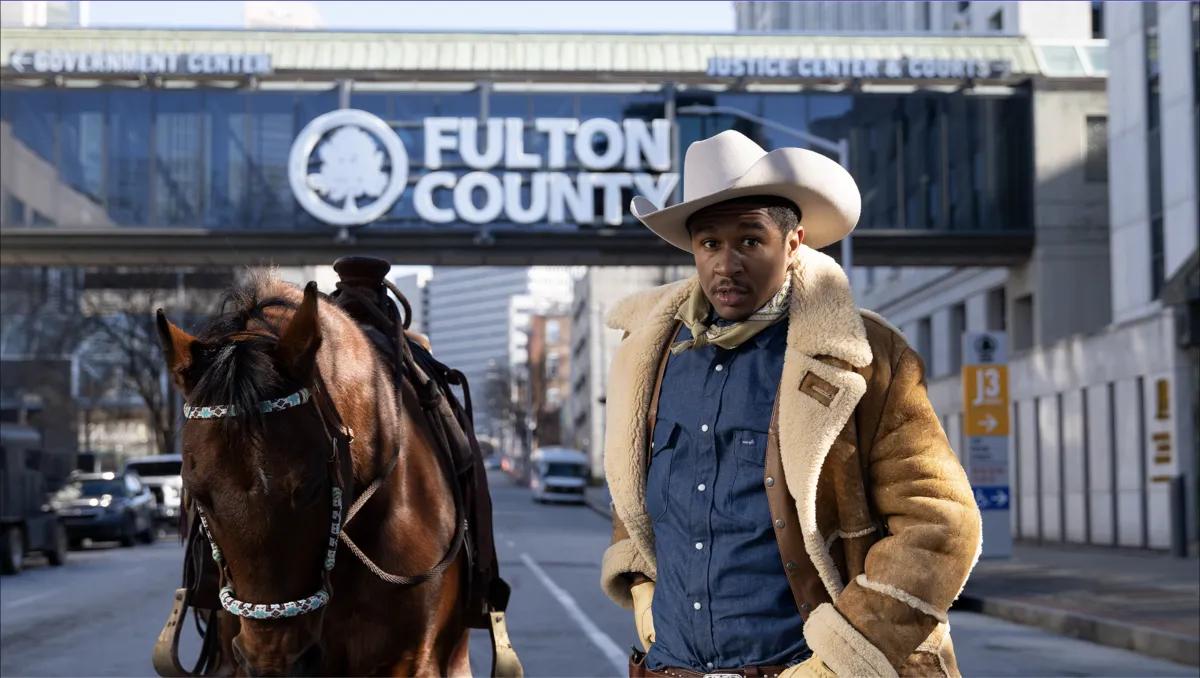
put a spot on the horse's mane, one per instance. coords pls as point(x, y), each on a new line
point(241, 372)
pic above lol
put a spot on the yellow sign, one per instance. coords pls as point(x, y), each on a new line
point(985, 400)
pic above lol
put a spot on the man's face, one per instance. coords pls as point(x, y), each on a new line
point(742, 257)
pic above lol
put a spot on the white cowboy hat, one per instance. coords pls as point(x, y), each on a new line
point(729, 165)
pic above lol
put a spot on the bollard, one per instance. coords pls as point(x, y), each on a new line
point(1179, 521)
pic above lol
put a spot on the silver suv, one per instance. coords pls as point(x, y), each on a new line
point(162, 474)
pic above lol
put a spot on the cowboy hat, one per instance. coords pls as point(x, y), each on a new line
point(729, 165)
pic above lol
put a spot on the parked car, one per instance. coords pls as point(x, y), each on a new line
point(162, 474)
point(27, 525)
point(106, 507)
point(559, 474)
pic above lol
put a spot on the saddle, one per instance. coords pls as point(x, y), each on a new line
point(363, 294)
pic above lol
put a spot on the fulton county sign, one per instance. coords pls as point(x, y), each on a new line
point(867, 69)
point(349, 168)
point(138, 63)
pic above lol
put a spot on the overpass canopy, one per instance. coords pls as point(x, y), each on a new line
point(192, 147)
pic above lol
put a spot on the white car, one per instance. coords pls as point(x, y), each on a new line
point(162, 474)
point(560, 474)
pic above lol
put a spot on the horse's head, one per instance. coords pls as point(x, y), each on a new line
point(260, 461)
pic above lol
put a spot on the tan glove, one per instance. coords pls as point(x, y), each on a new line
point(643, 594)
point(812, 668)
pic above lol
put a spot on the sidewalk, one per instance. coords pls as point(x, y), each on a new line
point(1145, 602)
point(1141, 601)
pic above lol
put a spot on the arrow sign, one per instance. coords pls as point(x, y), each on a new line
point(16, 61)
point(989, 423)
point(992, 497)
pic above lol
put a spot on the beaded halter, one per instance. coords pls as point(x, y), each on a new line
point(293, 608)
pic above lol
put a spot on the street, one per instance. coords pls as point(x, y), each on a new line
point(100, 614)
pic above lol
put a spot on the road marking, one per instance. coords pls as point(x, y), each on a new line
point(26, 600)
point(600, 639)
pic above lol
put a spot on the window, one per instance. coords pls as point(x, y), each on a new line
point(1097, 19)
point(552, 366)
point(925, 339)
point(552, 332)
point(1095, 163)
point(958, 325)
point(1154, 169)
point(1023, 318)
point(996, 21)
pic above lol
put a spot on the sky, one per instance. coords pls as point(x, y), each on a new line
point(555, 15)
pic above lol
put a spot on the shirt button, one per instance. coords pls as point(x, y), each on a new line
point(696, 605)
point(717, 368)
point(704, 428)
point(699, 546)
point(700, 487)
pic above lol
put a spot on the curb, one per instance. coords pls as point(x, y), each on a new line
point(1143, 640)
point(598, 506)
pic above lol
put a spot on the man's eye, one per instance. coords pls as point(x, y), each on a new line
point(709, 244)
point(750, 242)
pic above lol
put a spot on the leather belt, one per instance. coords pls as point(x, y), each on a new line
point(638, 669)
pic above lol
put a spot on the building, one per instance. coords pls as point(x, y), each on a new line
point(478, 321)
point(45, 14)
point(593, 346)
point(550, 375)
point(415, 288)
point(1053, 19)
point(507, 151)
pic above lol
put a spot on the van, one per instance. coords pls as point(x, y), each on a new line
point(559, 474)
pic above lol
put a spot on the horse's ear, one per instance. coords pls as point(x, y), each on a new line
point(302, 337)
point(179, 351)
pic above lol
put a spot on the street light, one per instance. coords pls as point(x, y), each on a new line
point(841, 148)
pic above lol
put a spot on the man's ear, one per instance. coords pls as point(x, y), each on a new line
point(302, 337)
point(181, 352)
point(794, 239)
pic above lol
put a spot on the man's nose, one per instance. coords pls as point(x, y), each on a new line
point(728, 263)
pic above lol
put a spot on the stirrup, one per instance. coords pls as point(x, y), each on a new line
point(166, 649)
point(505, 663)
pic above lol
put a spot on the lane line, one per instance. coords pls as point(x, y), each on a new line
point(600, 639)
point(26, 600)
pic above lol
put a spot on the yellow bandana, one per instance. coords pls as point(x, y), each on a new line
point(696, 311)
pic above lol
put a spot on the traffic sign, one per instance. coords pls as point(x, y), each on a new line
point(987, 428)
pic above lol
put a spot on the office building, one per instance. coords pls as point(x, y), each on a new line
point(1053, 19)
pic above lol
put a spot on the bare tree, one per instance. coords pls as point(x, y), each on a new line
point(121, 322)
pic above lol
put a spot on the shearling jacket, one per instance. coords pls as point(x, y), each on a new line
point(887, 515)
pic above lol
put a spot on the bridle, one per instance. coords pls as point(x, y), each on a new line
point(340, 469)
point(321, 598)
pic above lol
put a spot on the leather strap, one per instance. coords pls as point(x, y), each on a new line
point(658, 380)
point(166, 649)
point(807, 588)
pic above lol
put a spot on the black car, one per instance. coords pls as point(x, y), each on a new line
point(106, 507)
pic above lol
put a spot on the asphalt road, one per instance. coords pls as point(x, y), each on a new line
point(100, 613)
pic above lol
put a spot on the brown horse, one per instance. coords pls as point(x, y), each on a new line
point(291, 417)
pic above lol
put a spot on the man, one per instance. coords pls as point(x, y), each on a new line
point(785, 499)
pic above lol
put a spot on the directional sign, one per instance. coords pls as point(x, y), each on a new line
point(987, 430)
point(992, 498)
point(985, 399)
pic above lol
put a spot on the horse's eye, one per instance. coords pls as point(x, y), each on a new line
point(309, 492)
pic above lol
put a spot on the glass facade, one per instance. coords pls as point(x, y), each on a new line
point(217, 159)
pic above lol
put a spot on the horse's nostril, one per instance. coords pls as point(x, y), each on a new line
point(309, 661)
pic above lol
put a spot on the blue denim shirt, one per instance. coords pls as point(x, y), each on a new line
point(721, 600)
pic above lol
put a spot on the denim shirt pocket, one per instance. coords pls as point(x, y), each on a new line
point(662, 446)
point(747, 500)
